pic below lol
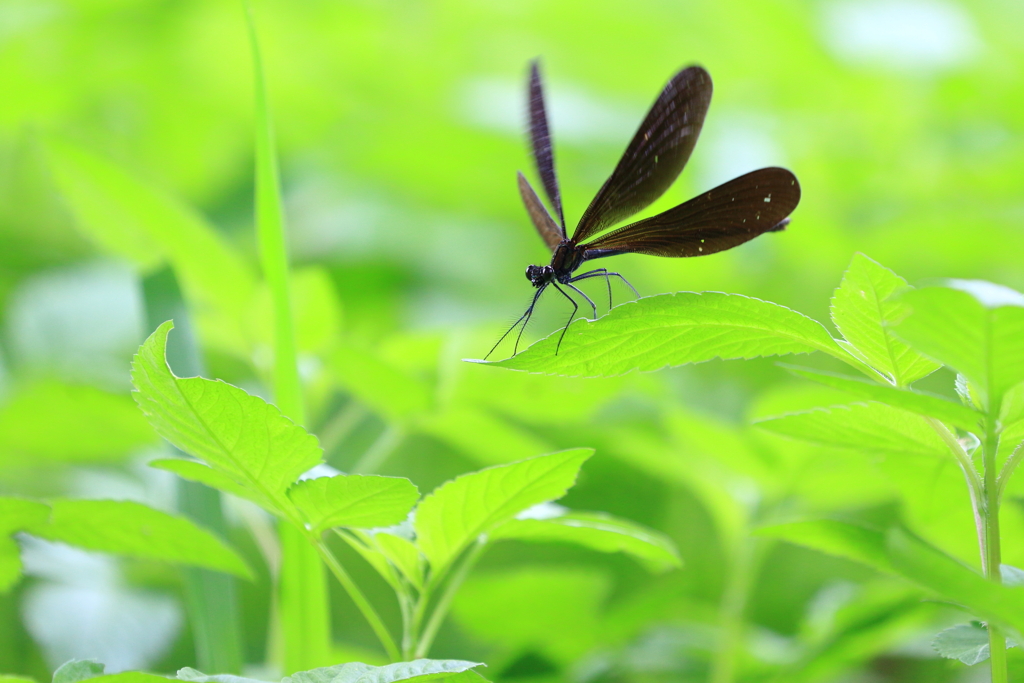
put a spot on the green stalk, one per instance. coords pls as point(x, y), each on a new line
point(975, 486)
point(991, 553)
point(305, 627)
point(745, 563)
point(364, 605)
point(426, 639)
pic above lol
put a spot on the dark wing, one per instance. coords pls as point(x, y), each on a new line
point(546, 226)
point(728, 215)
point(540, 140)
point(657, 154)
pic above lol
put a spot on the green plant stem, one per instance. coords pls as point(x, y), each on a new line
point(991, 552)
point(305, 627)
point(744, 566)
point(426, 639)
point(376, 623)
point(975, 487)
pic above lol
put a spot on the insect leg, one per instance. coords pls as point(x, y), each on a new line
point(606, 274)
point(580, 292)
point(526, 316)
point(597, 273)
point(575, 307)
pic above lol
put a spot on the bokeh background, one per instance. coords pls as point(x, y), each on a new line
point(400, 128)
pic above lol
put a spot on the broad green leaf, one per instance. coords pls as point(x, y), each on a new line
point(189, 674)
point(931, 568)
point(419, 670)
point(78, 670)
point(922, 403)
point(50, 421)
point(834, 537)
point(362, 501)
point(597, 531)
point(241, 435)
point(216, 479)
point(131, 677)
point(8, 678)
point(899, 552)
point(387, 552)
point(861, 310)
point(131, 219)
point(386, 389)
point(456, 513)
point(966, 642)
point(1012, 576)
point(16, 514)
point(363, 543)
point(404, 554)
point(675, 329)
point(974, 327)
point(136, 530)
point(416, 670)
point(863, 426)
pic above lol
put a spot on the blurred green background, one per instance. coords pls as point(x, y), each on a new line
point(400, 129)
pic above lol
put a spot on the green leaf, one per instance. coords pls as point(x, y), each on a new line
point(922, 403)
point(238, 434)
point(387, 551)
point(861, 310)
point(897, 551)
point(136, 530)
point(404, 554)
point(50, 421)
point(357, 672)
point(966, 642)
point(77, 670)
point(1012, 576)
point(597, 531)
point(198, 472)
point(16, 514)
point(675, 329)
point(976, 328)
point(456, 513)
point(362, 501)
point(931, 568)
point(131, 219)
point(863, 426)
point(131, 677)
point(189, 674)
point(835, 537)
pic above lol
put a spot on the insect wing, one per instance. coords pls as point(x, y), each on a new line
point(540, 217)
point(656, 155)
point(719, 219)
point(540, 140)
